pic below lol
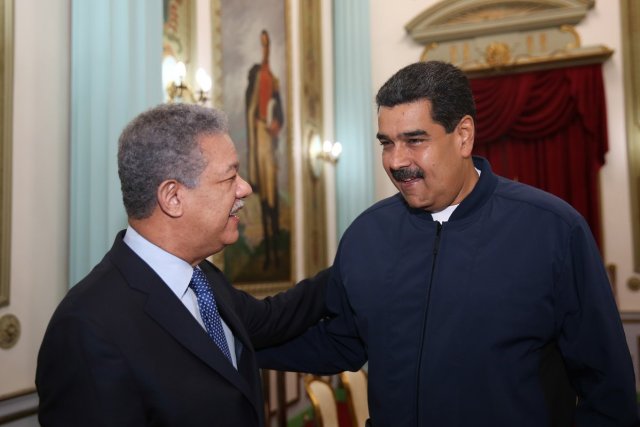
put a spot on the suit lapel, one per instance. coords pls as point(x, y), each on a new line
point(163, 306)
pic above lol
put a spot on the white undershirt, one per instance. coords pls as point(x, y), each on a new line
point(176, 273)
point(445, 214)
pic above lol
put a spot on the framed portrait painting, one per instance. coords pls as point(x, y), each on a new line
point(630, 16)
point(251, 70)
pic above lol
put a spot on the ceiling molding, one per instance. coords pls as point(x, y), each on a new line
point(497, 36)
point(459, 19)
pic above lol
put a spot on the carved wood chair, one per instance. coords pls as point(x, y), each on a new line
point(355, 384)
point(323, 400)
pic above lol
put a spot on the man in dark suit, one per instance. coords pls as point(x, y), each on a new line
point(155, 335)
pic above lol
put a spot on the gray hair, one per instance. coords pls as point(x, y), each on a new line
point(162, 144)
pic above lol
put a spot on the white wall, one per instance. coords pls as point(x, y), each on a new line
point(40, 180)
point(392, 48)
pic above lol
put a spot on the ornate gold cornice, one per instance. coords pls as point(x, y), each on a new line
point(460, 19)
point(486, 37)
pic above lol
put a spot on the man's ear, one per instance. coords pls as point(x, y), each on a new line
point(170, 198)
point(466, 132)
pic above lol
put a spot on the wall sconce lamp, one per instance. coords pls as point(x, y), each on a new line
point(204, 83)
point(174, 81)
point(322, 151)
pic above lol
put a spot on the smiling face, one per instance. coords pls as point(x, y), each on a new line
point(430, 167)
point(211, 207)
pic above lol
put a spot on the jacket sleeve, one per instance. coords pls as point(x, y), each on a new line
point(591, 338)
point(82, 379)
point(279, 318)
point(333, 345)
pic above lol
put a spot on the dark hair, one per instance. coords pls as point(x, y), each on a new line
point(443, 84)
point(161, 144)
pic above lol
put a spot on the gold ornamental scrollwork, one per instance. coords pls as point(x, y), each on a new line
point(427, 48)
point(497, 54)
point(633, 284)
point(490, 37)
point(312, 131)
point(570, 29)
point(9, 331)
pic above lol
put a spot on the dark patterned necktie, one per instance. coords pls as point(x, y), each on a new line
point(209, 310)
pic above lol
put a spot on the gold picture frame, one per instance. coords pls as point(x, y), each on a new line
point(6, 110)
point(312, 127)
point(258, 102)
point(177, 29)
point(630, 16)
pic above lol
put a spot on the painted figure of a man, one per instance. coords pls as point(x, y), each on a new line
point(264, 123)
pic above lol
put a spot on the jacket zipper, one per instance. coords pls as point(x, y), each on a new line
point(436, 245)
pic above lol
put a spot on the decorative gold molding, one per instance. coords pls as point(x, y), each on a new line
point(179, 37)
point(571, 30)
point(497, 54)
point(262, 290)
point(461, 19)
point(630, 14)
point(9, 331)
point(486, 37)
point(314, 192)
point(6, 141)
point(576, 57)
point(216, 53)
point(179, 30)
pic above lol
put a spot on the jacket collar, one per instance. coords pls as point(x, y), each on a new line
point(480, 193)
point(163, 306)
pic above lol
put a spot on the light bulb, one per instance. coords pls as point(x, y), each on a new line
point(168, 70)
point(203, 79)
point(326, 147)
point(180, 73)
point(336, 150)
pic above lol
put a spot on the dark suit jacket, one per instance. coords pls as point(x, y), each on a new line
point(121, 350)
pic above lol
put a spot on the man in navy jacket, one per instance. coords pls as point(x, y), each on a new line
point(457, 289)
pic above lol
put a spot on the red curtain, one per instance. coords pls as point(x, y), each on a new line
point(547, 129)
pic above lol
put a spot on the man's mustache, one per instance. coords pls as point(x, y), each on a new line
point(406, 174)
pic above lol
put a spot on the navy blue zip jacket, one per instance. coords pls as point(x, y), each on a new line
point(454, 319)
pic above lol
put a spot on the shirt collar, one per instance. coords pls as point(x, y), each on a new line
point(175, 272)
